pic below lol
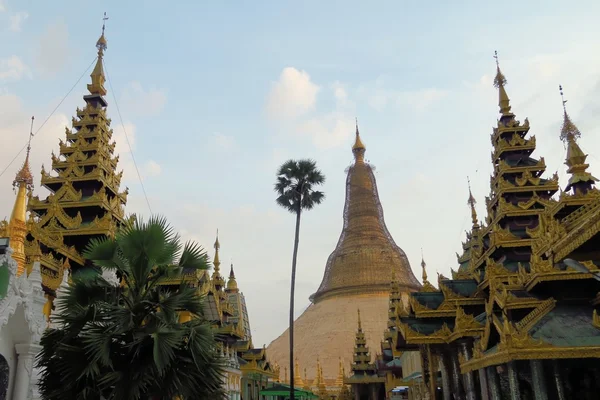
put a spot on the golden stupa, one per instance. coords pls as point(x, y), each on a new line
point(357, 276)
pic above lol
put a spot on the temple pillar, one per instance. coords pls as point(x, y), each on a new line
point(456, 376)
point(23, 376)
point(483, 383)
point(558, 382)
point(468, 378)
point(513, 381)
point(539, 382)
point(374, 392)
point(494, 383)
point(432, 360)
point(445, 370)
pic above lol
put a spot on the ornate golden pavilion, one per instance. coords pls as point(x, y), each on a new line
point(357, 275)
point(518, 320)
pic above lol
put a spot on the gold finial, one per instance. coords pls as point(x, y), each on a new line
point(217, 246)
point(472, 203)
point(580, 180)
point(424, 266)
point(101, 43)
point(232, 283)
point(24, 176)
point(98, 78)
point(500, 82)
point(569, 131)
point(359, 322)
point(359, 148)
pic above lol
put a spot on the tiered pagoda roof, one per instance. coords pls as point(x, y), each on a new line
point(364, 371)
point(85, 199)
point(514, 295)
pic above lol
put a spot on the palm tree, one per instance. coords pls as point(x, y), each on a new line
point(296, 182)
point(125, 342)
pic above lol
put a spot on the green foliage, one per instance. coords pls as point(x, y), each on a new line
point(296, 181)
point(126, 342)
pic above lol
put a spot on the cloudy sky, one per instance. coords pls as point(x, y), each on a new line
point(214, 97)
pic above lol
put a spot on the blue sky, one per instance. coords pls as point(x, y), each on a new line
point(214, 95)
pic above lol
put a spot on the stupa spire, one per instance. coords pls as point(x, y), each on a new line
point(98, 77)
point(366, 252)
point(471, 202)
point(580, 180)
point(500, 82)
point(358, 149)
point(423, 267)
point(232, 283)
point(16, 227)
point(218, 280)
point(298, 382)
point(23, 183)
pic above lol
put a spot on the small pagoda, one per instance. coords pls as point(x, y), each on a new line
point(519, 317)
point(365, 381)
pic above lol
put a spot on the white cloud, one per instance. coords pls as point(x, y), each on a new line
point(328, 131)
point(13, 69)
point(53, 49)
point(293, 95)
point(340, 94)
point(2, 8)
point(222, 141)
point(17, 19)
point(143, 102)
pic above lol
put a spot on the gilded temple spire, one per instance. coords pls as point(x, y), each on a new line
point(297, 376)
point(232, 283)
point(581, 181)
point(23, 183)
point(359, 323)
point(218, 280)
point(16, 227)
point(98, 77)
point(500, 82)
point(358, 149)
point(471, 202)
point(424, 267)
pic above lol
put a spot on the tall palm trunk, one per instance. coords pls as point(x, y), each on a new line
point(292, 290)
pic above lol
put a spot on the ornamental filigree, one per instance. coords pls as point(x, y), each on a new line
point(449, 294)
point(517, 140)
point(465, 322)
point(67, 193)
point(513, 339)
point(523, 277)
point(535, 315)
point(501, 235)
point(549, 229)
point(417, 307)
point(4, 229)
point(527, 177)
point(494, 269)
point(428, 287)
